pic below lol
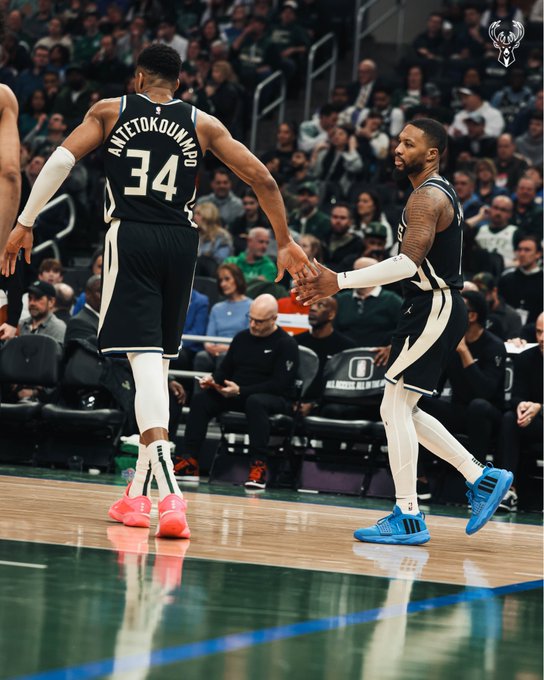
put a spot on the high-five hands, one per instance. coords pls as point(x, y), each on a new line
point(310, 289)
point(294, 259)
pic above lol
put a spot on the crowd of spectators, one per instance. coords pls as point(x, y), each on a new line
point(335, 170)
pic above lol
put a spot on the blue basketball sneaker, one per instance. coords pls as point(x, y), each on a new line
point(397, 529)
point(485, 495)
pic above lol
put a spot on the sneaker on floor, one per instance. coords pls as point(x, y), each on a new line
point(187, 470)
point(485, 495)
point(172, 520)
point(423, 490)
point(396, 529)
point(510, 502)
point(257, 476)
point(132, 512)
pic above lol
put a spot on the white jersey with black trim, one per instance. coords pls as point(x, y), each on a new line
point(151, 161)
point(442, 268)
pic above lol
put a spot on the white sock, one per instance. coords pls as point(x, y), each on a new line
point(434, 436)
point(141, 483)
point(396, 412)
point(163, 468)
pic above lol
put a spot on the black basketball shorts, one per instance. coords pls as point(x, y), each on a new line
point(147, 280)
point(431, 326)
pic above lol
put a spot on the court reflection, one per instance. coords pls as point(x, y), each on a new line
point(150, 582)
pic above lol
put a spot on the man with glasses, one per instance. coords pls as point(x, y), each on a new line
point(257, 376)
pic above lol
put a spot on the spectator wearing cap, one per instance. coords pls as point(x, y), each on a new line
point(472, 102)
point(42, 321)
point(290, 40)
point(527, 214)
point(307, 218)
point(229, 205)
point(87, 45)
point(336, 164)
point(476, 373)
point(513, 98)
point(341, 240)
point(167, 35)
point(255, 56)
point(374, 240)
point(502, 320)
point(74, 98)
point(510, 166)
point(315, 131)
point(498, 233)
point(522, 287)
point(475, 144)
point(368, 316)
point(529, 145)
point(465, 184)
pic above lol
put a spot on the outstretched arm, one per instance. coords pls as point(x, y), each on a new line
point(10, 175)
point(83, 139)
point(214, 136)
point(427, 210)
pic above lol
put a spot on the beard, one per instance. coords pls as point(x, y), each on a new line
point(401, 174)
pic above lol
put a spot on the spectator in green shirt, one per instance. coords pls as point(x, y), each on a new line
point(252, 261)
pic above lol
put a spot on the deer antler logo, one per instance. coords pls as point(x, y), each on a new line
point(506, 41)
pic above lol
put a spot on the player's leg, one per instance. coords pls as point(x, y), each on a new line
point(151, 406)
point(487, 485)
point(406, 525)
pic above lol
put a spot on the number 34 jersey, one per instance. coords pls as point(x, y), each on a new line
point(151, 160)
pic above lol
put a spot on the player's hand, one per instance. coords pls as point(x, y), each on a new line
point(20, 237)
point(382, 355)
point(314, 288)
point(295, 260)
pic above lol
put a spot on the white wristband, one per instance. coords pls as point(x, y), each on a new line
point(380, 274)
point(52, 175)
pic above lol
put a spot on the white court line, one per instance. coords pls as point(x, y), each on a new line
point(24, 564)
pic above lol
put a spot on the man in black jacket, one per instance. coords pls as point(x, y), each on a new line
point(522, 426)
point(257, 376)
point(84, 325)
point(476, 374)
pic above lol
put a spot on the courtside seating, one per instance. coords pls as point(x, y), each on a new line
point(30, 361)
point(90, 430)
point(281, 433)
point(341, 453)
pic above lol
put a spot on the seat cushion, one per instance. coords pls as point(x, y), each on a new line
point(84, 418)
point(339, 429)
point(21, 412)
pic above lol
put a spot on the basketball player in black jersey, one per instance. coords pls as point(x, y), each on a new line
point(153, 146)
point(433, 321)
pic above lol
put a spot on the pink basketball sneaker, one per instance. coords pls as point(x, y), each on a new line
point(172, 520)
point(132, 512)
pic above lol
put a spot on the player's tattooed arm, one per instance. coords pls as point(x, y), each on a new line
point(428, 211)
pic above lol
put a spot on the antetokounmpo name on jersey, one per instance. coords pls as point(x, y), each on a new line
point(174, 130)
